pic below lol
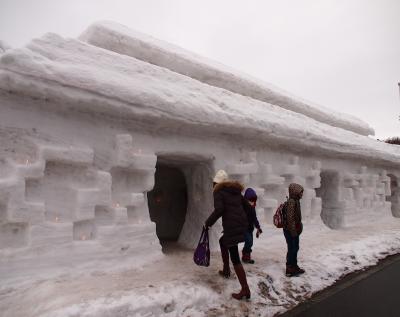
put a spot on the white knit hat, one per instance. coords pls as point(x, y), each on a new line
point(220, 177)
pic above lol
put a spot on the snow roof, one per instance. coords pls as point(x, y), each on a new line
point(118, 38)
point(72, 75)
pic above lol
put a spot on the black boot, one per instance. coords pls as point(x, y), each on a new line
point(299, 270)
point(226, 271)
point(245, 291)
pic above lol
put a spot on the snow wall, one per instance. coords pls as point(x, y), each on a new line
point(82, 130)
point(120, 39)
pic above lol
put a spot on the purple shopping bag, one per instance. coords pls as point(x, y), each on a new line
point(202, 253)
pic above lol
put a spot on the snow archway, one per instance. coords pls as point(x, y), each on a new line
point(168, 202)
point(181, 198)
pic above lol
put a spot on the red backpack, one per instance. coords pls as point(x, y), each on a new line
point(280, 216)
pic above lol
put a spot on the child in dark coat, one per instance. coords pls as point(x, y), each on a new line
point(251, 196)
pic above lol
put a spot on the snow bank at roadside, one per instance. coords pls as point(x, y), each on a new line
point(118, 38)
point(176, 287)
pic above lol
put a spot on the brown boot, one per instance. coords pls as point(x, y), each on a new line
point(290, 270)
point(226, 271)
point(245, 291)
point(246, 258)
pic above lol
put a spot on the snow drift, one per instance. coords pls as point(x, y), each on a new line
point(120, 39)
point(93, 141)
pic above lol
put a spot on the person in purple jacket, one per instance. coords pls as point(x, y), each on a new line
point(251, 196)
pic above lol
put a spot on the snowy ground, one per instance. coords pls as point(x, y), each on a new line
point(175, 286)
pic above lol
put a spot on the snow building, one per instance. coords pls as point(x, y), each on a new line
point(109, 144)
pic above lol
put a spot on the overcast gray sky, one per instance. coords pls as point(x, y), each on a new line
point(343, 54)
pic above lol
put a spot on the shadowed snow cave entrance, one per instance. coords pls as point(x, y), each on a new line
point(179, 196)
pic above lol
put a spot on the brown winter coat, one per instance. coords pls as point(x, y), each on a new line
point(293, 211)
point(228, 204)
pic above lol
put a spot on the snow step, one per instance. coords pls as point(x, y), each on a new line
point(242, 169)
point(71, 154)
point(51, 233)
point(126, 156)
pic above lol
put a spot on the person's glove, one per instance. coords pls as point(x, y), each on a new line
point(259, 231)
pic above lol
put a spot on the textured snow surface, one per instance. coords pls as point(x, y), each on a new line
point(120, 39)
point(75, 75)
point(174, 286)
point(4, 47)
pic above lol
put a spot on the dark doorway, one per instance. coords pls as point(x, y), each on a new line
point(168, 202)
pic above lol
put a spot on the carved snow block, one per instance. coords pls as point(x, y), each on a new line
point(373, 180)
point(264, 202)
point(127, 157)
point(32, 212)
point(242, 169)
point(71, 154)
point(272, 181)
point(387, 207)
point(269, 206)
point(308, 195)
point(84, 201)
point(48, 233)
point(3, 212)
point(292, 168)
point(313, 182)
point(385, 180)
point(347, 194)
point(268, 179)
point(265, 170)
point(349, 180)
point(259, 191)
point(131, 199)
point(14, 235)
point(138, 214)
point(148, 181)
point(84, 230)
point(243, 179)
point(127, 234)
point(313, 175)
point(250, 157)
point(121, 215)
point(363, 177)
point(104, 184)
point(14, 195)
point(289, 179)
point(395, 209)
point(8, 187)
point(316, 207)
point(31, 170)
point(104, 215)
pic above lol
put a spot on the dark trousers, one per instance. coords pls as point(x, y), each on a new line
point(248, 242)
point(233, 252)
point(293, 248)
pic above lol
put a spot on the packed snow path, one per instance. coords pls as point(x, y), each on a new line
point(174, 286)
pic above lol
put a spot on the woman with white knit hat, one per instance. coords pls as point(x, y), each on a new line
point(229, 204)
